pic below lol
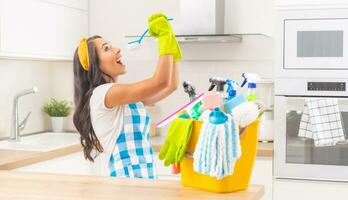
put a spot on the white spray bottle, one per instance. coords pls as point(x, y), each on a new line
point(251, 79)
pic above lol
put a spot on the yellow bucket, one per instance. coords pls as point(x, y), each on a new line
point(240, 178)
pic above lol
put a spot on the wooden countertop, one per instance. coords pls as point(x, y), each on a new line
point(264, 149)
point(11, 159)
point(19, 185)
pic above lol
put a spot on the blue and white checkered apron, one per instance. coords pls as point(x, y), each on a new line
point(133, 155)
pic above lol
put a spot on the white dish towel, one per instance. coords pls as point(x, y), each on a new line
point(321, 121)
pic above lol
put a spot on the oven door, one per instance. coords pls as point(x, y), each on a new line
point(299, 157)
point(318, 44)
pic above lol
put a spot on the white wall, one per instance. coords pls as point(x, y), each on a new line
point(53, 79)
point(63, 87)
point(113, 19)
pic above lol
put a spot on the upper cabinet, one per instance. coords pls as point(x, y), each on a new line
point(310, 4)
point(78, 4)
point(42, 29)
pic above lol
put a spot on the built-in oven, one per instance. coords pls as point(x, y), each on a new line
point(296, 156)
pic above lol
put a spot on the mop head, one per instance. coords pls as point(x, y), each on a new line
point(205, 115)
point(245, 113)
point(218, 148)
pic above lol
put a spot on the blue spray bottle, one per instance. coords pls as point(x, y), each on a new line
point(231, 89)
point(232, 100)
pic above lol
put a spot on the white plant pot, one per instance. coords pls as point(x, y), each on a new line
point(57, 124)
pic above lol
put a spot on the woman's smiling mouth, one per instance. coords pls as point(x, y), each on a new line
point(119, 61)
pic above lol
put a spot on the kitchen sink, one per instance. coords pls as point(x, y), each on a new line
point(46, 141)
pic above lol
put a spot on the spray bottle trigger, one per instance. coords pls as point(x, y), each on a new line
point(244, 81)
point(211, 87)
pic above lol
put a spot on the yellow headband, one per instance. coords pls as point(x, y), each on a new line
point(83, 55)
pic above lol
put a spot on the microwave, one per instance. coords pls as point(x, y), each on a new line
point(312, 43)
point(315, 44)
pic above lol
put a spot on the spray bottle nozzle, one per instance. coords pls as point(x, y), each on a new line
point(218, 82)
point(189, 89)
point(231, 89)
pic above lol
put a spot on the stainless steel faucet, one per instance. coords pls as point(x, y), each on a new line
point(16, 127)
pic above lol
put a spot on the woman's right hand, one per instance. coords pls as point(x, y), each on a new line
point(167, 44)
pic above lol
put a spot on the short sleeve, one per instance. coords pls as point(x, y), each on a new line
point(97, 100)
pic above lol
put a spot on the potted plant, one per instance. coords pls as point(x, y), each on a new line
point(57, 110)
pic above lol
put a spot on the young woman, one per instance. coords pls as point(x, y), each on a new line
point(110, 116)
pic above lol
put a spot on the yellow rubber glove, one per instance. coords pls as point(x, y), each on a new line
point(167, 44)
point(178, 136)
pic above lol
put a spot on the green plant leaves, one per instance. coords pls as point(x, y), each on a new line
point(56, 108)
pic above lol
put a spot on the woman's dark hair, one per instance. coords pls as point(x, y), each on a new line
point(84, 83)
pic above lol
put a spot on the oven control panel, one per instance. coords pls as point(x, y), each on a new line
point(326, 86)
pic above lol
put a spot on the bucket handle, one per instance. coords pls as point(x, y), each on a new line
point(242, 131)
point(189, 155)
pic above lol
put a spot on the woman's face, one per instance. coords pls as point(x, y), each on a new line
point(109, 58)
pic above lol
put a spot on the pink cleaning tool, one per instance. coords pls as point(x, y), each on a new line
point(211, 101)
point(172, 116)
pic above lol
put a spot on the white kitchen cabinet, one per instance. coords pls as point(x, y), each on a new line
point(78, 4)
point(70, 164)
point(164, 172)
point(309, 4)
point(263, 175)
point(286, 189)
point(35, 29)
point(76, 164)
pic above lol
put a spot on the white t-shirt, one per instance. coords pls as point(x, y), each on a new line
point(107, 124)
